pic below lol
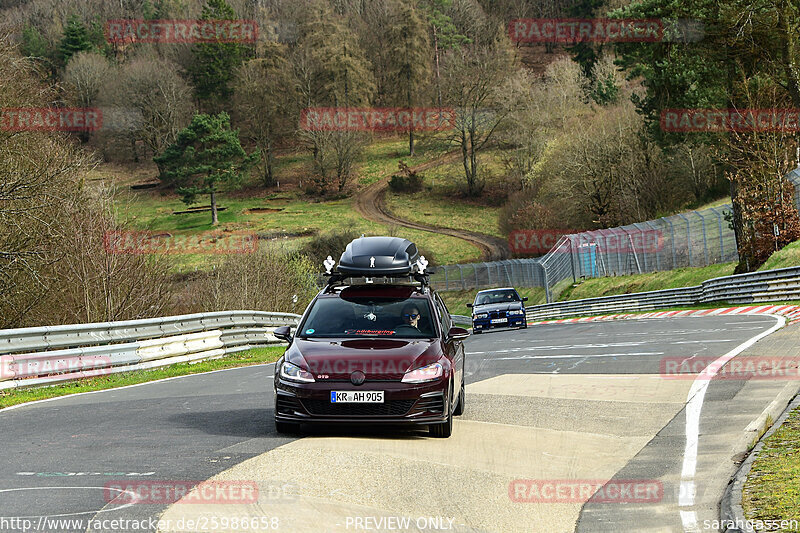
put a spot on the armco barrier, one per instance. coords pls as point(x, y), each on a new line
point(54, 354)
point(767, 286)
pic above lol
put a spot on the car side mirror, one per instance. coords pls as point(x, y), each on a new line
point(469, 305)
point(283, 332)
point(524, 298)
point(457, 333)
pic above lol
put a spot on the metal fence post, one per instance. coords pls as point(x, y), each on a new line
point(721, 241)
point(461, 275)
point(672, 240)
point(688, 236)
point(572, 258)
point(705, 238)
point(657, 251)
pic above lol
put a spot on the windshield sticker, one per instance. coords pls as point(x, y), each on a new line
point(369, 332)
point(309, 331)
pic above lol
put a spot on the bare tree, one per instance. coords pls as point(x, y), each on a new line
point(265, 105)
point(151, 90)
point(471, 77)
point(85, 75)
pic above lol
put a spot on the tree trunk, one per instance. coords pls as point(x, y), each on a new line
point(411, 141)
point(436, 60)
point(214, 217)
point(268, 178)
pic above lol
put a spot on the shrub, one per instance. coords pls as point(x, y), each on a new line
point(406, 180)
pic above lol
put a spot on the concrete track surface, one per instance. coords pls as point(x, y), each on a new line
point(568, 405)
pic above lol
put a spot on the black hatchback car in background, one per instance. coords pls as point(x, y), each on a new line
point(498, 308)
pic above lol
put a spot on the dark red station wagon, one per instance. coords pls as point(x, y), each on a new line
point(376, 346)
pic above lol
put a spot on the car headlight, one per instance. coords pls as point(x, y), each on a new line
point(482, 315)
point(426, 373)
point(293, 372)
point(516, 312)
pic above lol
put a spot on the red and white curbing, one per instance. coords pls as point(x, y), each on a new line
point(791, 312)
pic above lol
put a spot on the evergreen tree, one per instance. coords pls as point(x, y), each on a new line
point(214, 64)
point(409, 60)
point(33, 43)
point(445, 35)
point(338, 70)
point(206, 158)
point(76, 39)
point(264, 104)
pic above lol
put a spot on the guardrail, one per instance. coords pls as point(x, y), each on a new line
point(50, 355)
point(54, 354)
point(769, 285)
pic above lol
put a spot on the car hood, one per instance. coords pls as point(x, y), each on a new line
point(376, 358)
point(505, 306)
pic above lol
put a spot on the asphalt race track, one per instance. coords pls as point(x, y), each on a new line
point(559, 404)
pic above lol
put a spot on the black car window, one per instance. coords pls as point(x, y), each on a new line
point(497, 297)
point(446, 321)
point(368, 317)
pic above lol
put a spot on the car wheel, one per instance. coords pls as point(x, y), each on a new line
point(444, 429)
point(459, 410)
point(286, 427)
point(524, 325)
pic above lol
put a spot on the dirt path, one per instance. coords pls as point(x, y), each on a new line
point(370, 203)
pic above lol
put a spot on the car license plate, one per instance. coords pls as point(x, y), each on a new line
point(498, 320)
point(367, 396)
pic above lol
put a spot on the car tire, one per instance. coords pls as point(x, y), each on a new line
point(459, 410)
point(285, 428)
point(445, 429)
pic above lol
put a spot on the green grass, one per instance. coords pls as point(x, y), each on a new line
point(255, 356)
point(786, 257)
point(456, 301)
point(381, 158)
point(771, 491)
point(442, 201)
point(682, 277)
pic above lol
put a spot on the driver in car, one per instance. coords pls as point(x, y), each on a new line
point(411, 316)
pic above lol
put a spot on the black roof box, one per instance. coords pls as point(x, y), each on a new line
point(379, 256)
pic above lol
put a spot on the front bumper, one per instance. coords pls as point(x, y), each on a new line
point(512, 321)
point(404, 403)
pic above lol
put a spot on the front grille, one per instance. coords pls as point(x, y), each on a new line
point(434, 404)
point(385, 376)
point(497, 314)
point(389, 408)
point(287, 405)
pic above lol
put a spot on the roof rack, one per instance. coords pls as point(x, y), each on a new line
point(379, 260)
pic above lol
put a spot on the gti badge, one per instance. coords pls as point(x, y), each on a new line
point(357, 377)
point(372, 262)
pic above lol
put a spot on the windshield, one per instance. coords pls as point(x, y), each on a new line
point(497, 297)
point(369, 317)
